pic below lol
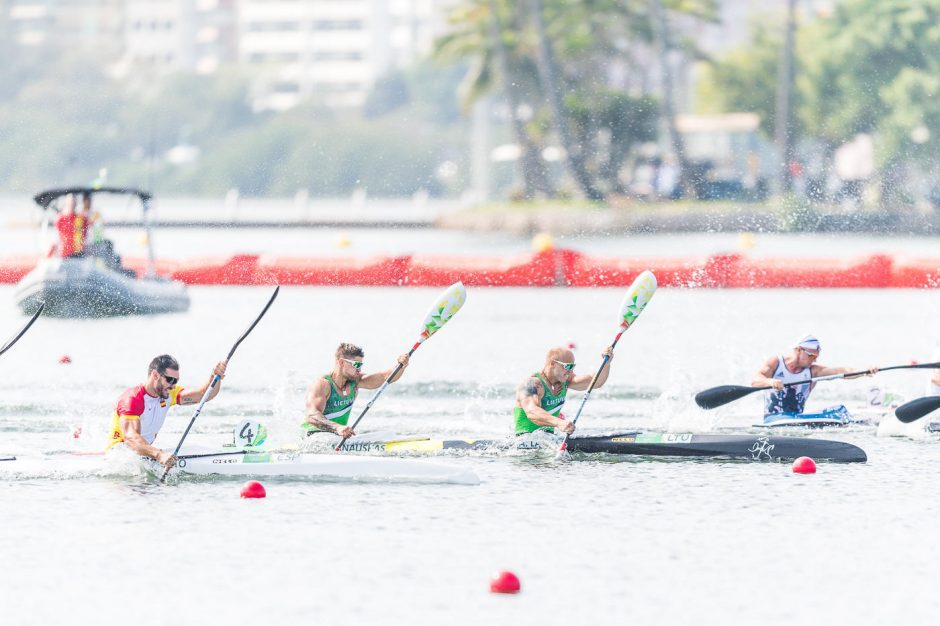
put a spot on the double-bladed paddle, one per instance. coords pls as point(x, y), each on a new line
point(638, 296)
point(916, 409)
point(215, 378)
point(445, 307)
point(719, 396)
point(23, 330)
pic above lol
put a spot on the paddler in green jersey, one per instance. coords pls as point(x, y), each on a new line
point(330, 398)
point(539, 399)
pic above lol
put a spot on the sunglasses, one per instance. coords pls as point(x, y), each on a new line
point(808, 353)
point(568, 366)
point(171, 380)
point(356, 364)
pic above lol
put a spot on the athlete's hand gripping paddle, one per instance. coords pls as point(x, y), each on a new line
point(445, 307)
point(638, 296)
point(723, 394)
point(215, 379)
point(23, 330)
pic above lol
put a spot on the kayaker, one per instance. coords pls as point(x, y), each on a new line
point(540, 397)
point(330, 398)
point(141, 410)
point(799, 365)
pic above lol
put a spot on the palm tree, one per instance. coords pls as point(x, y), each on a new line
point(480, 36)
point(548, 73)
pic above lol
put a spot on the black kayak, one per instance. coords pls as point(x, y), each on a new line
point(755, 447)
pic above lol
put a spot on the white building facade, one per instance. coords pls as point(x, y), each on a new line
point(332, 51)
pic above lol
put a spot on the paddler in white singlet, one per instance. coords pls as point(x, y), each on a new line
point(799, 366)
point(330, 398)
point(541, 396)
point(141, 410)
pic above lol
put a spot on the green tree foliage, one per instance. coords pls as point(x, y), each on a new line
point(867, 60)
point(872, 66)
point(567, 47)
point(745, 79)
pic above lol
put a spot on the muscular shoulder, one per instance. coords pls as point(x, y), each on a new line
point(320, 386)
point(770, 365)
point(131, 401)
point(530, 387)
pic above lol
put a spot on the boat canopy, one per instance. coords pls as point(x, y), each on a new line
point(46, 198)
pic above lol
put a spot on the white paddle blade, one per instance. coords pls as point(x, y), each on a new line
point(444, 308)
point(638, 296)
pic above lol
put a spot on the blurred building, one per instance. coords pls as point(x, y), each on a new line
point(332, 51)
point(171, 35)
point(86, 26)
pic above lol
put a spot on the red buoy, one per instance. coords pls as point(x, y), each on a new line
point(505, 582)
point(804, 465)
point(253, 489)
point(65, 359)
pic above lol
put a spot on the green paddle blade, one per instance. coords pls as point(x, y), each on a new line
point(916, 409)
point(638, 296)
point(444, 308)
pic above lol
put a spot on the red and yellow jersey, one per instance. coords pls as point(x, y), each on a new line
point(136, 403)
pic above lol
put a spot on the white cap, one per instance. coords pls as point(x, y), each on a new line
point(808, 342)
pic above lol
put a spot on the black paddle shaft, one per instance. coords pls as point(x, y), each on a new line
point(23, 330)
point(215, 379)
point(719, 396)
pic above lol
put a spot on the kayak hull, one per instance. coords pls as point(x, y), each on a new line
point(829, 417)
point(756, 447)
point(249, 464)
point(335, 466)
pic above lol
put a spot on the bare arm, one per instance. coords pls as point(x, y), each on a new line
point(317, 394)
point(376, 380)
point(764, 376)
point(136, 442)
point(192, 396)
point(822, 370)
point(529, 396)
point(582, 382)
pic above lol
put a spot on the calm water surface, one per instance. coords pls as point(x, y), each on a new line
point(601, 541)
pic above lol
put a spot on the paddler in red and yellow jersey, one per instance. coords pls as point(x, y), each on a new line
point(540, 398)
point(330, 398)
point(141, 410)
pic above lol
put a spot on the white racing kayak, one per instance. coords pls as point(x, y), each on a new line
point(245, 464)
point(338, 466)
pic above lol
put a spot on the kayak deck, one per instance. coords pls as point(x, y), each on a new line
point(756, 447)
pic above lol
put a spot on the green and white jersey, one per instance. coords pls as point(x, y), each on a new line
point(338, 407)
point(550, 402)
